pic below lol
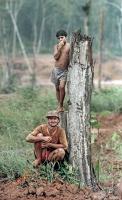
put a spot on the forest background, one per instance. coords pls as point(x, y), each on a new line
point(38, 21)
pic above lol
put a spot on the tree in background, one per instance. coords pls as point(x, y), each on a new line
point(118, 6)
point(46, 17)
point(30, 26)
point(86, 8)
point(101, 37)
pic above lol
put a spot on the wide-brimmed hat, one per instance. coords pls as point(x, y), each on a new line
point(53, 113)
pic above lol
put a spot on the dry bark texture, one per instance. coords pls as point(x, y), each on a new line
point(80, 81)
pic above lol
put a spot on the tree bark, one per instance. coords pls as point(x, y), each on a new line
point(80, 80)
point(63, 123)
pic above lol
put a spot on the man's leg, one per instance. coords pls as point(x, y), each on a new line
point(62, 95)
point(37, 152)
point(57, 93)
point(56, 155)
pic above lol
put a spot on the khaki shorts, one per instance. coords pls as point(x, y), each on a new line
point(58, 75)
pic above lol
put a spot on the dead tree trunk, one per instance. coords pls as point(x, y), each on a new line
point(80, 80)
point(63, 123)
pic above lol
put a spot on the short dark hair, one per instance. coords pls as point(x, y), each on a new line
point(61, 33)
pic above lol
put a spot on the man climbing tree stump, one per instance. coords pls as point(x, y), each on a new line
point(80, 80)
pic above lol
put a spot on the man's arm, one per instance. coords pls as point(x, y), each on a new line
point(38, 138)
point(63, 139)
point(57, 50)
point(32, 138)
point(52, 145)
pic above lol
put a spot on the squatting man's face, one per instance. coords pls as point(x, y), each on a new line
point(53, 121)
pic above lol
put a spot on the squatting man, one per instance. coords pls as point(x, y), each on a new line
point(49, 140)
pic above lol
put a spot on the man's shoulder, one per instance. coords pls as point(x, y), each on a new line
point(68, 45)
point(60, 129)
point(42, 126)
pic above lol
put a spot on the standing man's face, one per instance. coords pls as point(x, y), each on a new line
point(62, 38)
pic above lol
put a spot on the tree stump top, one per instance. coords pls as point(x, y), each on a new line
point(78, 42)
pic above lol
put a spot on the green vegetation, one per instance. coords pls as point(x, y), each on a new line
point(14, 163)
point(19, 114)
point(108, 168)
point(64, 170)
point(107, 100)
point(22, 111)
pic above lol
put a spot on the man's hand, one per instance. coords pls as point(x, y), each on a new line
point(40, 136)
point(45, 145)
point(61, 44)
point(64, 40)
point(46, 139)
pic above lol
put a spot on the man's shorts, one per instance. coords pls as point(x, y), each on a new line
point(44, 154)
point(58, 75)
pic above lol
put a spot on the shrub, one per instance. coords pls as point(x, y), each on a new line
point(107, 100)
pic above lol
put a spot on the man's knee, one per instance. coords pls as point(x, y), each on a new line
point(61, 87)
point(57, 154)
point(60, 153)
point(37, 145)
point(62, 84)
point(57, 88)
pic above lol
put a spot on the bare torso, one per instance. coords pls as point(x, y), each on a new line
point(62, 56)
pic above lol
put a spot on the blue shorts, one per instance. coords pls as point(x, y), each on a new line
point(58, 75)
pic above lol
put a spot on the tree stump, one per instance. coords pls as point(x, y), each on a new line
point(79, 83)
point(63, 123)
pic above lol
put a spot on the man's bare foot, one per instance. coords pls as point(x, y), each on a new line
point(36, 163)
point(60, 109)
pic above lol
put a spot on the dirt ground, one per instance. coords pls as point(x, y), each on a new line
point(34, 188)
point(111, 70)
point(57, 190)
point(44, 63)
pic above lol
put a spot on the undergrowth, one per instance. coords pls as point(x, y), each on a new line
point(26, 109)
point(107, 100)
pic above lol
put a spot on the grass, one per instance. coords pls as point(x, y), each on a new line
point(108, 165)
point(107, 100)
point(27, 108)
point(63, 171)
point(13, 163)
point(20, 114)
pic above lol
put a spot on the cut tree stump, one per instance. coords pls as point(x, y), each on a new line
point(80, 83)
point(63, 123)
